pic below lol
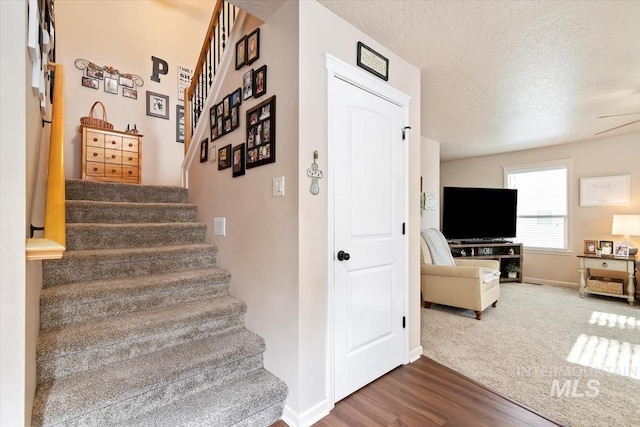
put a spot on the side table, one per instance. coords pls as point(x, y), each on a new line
point(608, 263)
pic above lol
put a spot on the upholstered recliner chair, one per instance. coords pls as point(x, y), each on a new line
point(472, 284)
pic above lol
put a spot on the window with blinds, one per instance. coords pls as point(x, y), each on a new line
point(543, 204)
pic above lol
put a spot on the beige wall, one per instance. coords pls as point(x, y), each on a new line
point(615, 155)
point(275, 247)
point(125, 35)
point(430, 173)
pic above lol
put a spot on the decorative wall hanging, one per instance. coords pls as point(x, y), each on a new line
point(260, 82)
point(372, 61)
point(179, 123)
point(238, 160)
point(157, 105)
point(241, 52)
point(247, 84)
point(160, 66)
point(253, 46)
point(224, 116)
point(111, 77)
point(224, 157)
point(184, 80)
point(204, 150)
point(261, 133)
point(605, 191)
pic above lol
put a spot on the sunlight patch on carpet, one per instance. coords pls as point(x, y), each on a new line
point(612, 320)
point(609, 355)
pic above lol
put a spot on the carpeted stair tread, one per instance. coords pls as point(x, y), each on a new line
point(248, 397)
point(107, 264)
point(124, 212)
point(83, 236)
point(83, 301)
point(65, 351)
point(109, 394)
point(76, 189)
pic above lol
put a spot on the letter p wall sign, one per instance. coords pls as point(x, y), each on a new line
point(160, 66)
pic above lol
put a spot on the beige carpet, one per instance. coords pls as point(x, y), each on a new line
point(520, 349)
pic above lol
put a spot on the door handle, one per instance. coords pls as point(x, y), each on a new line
point(343, 256)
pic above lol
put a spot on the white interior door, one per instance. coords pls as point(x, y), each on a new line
point(369, 211)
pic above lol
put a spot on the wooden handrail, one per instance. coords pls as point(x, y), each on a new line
point(214, 43)
point(53, 244)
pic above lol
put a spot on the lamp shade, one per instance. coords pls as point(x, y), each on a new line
point(626, 225)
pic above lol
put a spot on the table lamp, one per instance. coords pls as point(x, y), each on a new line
point(626, 225)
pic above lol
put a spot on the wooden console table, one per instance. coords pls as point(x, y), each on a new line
point(608, 263)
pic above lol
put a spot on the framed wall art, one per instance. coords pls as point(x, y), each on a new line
point(253, 46)
point(605, 191)
point(241, 52)
point(157, 105)
point(260, 82)
point(238, 160)
point(179, 123)
point(224, 157)
point(111, 85)
point(129, 93)
point(247, 84)
point(204, 150)
point(90, 82)
point(261, 133)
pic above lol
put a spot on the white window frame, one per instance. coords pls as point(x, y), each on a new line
point(540, 166)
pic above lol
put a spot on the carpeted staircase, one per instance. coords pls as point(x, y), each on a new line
point(137, 327)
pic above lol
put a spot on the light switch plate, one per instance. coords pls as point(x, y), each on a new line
point(278, 186)
point(220, 226)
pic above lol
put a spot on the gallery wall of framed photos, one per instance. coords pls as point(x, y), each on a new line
point(258, 144)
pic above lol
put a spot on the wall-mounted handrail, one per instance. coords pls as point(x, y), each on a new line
point(52, 246)
point(215, 41)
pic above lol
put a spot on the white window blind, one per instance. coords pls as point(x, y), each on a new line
point(543, 219)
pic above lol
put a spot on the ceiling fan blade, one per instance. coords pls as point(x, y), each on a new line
point(618, 127)
point(617, 115)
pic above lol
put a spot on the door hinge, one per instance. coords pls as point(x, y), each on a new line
point(404, 136)
point(403, 231)
point(404, 322)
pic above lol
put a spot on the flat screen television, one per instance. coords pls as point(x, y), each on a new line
point(487, 214)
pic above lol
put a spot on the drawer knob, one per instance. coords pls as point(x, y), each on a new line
point(130, 172)
point(95, 154)
point(130, 158)
point(113, 156)
point(113, 142)
point(95, 139)
point(605, 265)
point(130, 145)
point(95, 169)
point(113, 170)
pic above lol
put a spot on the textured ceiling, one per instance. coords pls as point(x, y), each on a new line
point(500, 76)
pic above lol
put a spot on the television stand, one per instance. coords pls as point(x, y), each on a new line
point(505, 253)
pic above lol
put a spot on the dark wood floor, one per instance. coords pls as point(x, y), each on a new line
point(424, 394)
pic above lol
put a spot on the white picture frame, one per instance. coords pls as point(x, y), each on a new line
point(605, 191)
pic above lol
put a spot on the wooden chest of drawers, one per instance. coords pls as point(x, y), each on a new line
point(111, 155)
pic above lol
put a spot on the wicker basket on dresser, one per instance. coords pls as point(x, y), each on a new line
point(111, 155)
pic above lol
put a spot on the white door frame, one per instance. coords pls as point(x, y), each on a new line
point(337, 68)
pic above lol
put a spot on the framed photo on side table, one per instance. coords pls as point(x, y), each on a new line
point(590, 246)
point(620, 249)
point(607, 247)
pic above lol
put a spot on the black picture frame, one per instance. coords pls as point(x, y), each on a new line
point(241, 52)
point(606, 244)
point(247, 84)
point(260, 82)
point(204, 150)
point(261, 134)
point(90, 82)
point(253, 46)
point(225, 106)
point(239, 160)
point(129, 93)
point(179, 123)
point(157, 105)
point(236, 97)
point(219, 109)
point(372, 61)
point(224, 157)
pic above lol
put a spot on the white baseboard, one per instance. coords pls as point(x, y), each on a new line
point(308, 417)
point(415, 354)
